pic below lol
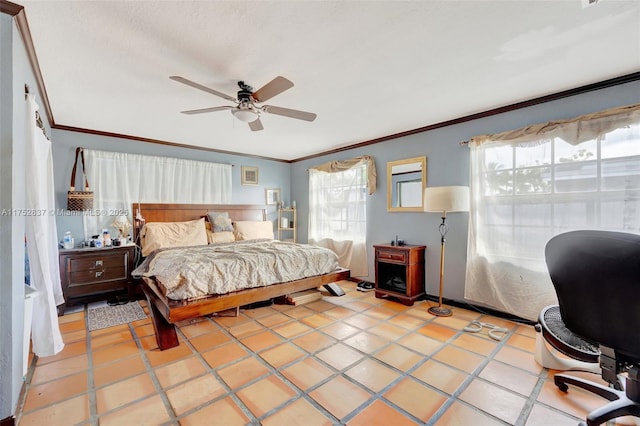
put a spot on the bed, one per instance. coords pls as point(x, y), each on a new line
point(165, 312)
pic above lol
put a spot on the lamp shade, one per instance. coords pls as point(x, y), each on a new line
point(446, 199)
point(245, 115)
point(122, 224)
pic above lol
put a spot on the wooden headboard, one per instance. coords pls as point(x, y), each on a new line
point(156, 212)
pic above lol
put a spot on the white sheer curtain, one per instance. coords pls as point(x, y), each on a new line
point(531, 184)
point(338, 210)
point(42, 238)
point(120, 179)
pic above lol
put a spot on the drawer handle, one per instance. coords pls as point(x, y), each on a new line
point(98, 262)
point(98, 274)
point(392, 256)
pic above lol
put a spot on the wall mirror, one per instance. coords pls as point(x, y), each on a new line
point(406, 181)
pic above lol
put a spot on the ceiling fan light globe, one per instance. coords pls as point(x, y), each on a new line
point(245, 115)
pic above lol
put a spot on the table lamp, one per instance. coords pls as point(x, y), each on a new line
point(122, 224)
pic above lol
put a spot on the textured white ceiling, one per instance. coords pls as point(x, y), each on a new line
point(368, 69)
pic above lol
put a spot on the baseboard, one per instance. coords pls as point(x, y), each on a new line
point(481, 309)
point(9, 421)
point(471, 307)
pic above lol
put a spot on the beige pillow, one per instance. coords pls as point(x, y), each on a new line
point(156, 235)
point(250, 230)
point(220, 237)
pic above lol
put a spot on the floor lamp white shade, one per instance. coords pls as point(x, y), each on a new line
point(443, 199)
point(446, 199)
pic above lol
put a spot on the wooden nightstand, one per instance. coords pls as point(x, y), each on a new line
point(88, 274)
point(400, 272)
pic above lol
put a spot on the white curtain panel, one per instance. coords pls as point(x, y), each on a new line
point(531, 184)
point(120, 179)
point(337, 214)
point(42, 238)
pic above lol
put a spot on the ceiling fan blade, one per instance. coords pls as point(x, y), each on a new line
point(203, 110)
point(272, 88)
point(201, 87)
point(292, 113)
point(256, 125)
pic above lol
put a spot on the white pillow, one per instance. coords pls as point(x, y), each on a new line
point(251, 230)
point(156, 235)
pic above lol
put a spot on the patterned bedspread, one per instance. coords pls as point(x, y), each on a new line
point(195, 272)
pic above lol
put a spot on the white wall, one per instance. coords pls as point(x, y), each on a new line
point(15, 72)
point(8, 327)
point(12, 196)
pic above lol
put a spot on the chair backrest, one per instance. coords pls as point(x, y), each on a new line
point(596, 275)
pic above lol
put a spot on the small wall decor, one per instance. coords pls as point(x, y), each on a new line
point(272, 196)
point(249, 175)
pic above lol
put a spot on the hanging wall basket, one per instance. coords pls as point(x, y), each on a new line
point(79, 200)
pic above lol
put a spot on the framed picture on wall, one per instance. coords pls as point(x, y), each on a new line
point(272, 196)
point(249, 175)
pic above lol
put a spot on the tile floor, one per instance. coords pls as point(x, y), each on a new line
point(353, 360)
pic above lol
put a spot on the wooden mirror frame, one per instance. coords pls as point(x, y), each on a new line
point(423, 163)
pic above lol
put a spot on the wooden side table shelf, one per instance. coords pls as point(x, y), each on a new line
point(88, 274)
point(400, 272)
point(288, 232)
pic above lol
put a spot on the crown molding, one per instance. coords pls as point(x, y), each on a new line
point(627, 78)
point(10, 8)
point(20, 17)
point(159, 142)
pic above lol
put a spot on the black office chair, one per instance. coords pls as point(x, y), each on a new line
point(596, 275)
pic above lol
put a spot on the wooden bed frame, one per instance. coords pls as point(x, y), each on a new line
point(166, 312)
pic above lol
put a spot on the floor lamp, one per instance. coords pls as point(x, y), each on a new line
point(443, 199)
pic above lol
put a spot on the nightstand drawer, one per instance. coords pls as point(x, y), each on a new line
point(98, 275)
point(398, 256)
point(98, 263)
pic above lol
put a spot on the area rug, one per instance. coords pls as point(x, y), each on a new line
point(108, 316)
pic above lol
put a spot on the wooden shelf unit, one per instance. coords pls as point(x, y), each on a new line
point(289, 232)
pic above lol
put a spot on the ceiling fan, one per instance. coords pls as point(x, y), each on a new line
point(246, 109)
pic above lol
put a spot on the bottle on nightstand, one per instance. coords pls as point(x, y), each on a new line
point(106, 238)
point(67, 241)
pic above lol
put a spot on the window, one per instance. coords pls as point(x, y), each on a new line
point(338, 204)
point(534, 192)
point(409, 193)
point(525, 191)
point(121, 179)
point(338, 209)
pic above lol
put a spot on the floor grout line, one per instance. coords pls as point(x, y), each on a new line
point(93, 403)
point(214, 371)
point(277, 371)
point(375, 318)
